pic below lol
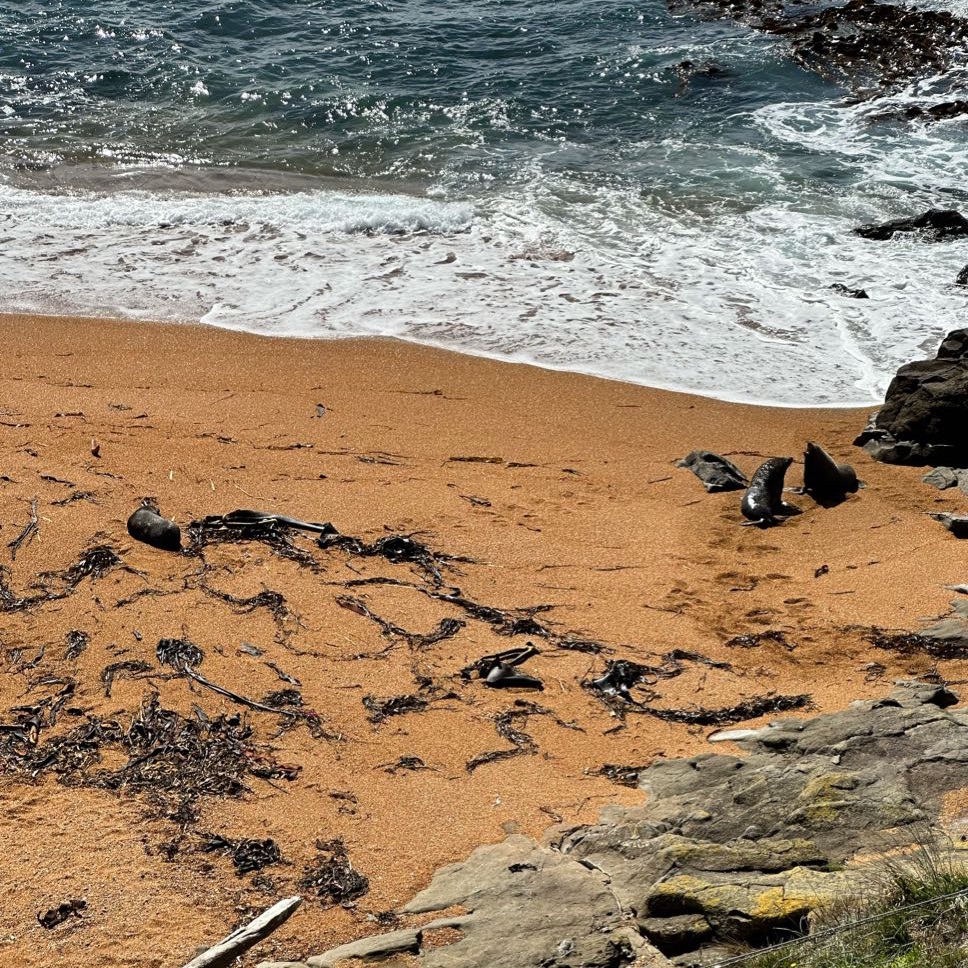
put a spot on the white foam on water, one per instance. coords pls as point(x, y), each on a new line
point(731, 301)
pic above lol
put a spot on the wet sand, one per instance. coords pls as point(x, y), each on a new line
point(555, 497)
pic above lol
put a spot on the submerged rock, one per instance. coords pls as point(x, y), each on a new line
point(935, 225)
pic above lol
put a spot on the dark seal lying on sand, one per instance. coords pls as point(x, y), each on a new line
point(147, 525)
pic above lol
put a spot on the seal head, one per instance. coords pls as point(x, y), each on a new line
point(763, 504)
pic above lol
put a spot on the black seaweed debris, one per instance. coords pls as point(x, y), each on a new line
point(274, 602)
point(410, 763)
point(247, 855)
point(179, 653)
point(754, 639)
point(58, 915)
point(748, 709)
point(222, 529)
point(76, 642)
point(29, 532)
point(282, 698)
point(125, 669)
point(381, 709)
point(627, 776)
point(910, 643)
point(331, 877)
point(446, 628)
point(483, 666)
point(521, 742)
point(174, 760)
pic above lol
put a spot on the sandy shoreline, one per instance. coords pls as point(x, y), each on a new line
point(559, 489)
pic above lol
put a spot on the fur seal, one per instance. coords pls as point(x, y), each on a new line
point(763, 504)
point(716, 472)
point(826, 481)
point(147, 525)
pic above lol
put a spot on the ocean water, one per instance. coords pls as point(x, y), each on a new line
point(531, 181)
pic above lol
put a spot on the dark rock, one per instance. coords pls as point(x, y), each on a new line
point(942, 478)
point(957, 524)
point(935, 225)
point(716, 472)
point(147, 525)
point(847, 291)
point(925, 411)
point(962, 279)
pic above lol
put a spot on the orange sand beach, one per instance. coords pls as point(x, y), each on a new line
point(552, 498)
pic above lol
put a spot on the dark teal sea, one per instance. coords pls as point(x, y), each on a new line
point(539, 181)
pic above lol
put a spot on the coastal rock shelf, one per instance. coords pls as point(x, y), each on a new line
point(726, 848)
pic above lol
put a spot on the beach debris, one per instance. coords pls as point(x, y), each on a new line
point(125, 669)
point(748, 709)
point(180, 654)
point(717, 473)
point(381, 709)
point(445, 628)
point(30, 531)
point(913, 643)
point(320, 411)
point(504, 676)
point(94, 563)
point(826, 481)
point(331, 877)
point(228, 950)
point(409, 763)
point(282, 698)
point(274, 602)
point(753, 640)
point(934, 225)
point(839, 287)
point(620, 676)
point(957, 524)
point(247, 855)
point(522, 744)
point(242, 526)
point(483, 666)
point(627, 776)
point(58, 915)
point(76, 642)
point(148, 526)
point(95, 447)
point(763, 503)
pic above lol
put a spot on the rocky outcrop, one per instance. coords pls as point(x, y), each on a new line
point(925, 411)
point(725, 847)
point(935, 225)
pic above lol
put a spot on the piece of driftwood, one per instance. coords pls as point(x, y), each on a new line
point(240, 940)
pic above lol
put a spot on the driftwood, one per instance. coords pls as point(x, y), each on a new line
point(240, 940)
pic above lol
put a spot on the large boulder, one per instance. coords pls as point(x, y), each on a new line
point(925, 412)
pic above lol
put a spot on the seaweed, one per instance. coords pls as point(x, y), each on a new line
point(76, 642)
point(381, 709)
point(446, 628)
point(910, 643)
point(126, 669)
point(409, 763)
point(627, 776)
point(273, 602)
point(216, 529)
point(522, 743)
point(30, 531)
point(281, 698)
point(748, 709)
point(247, 855)
point(180, 654)
point(754, 639)
point(331, 876)
point(58, 915)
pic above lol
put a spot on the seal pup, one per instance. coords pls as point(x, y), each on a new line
point(715, 471)
point(763, 504)
point(826, 481)
point(147, 525)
